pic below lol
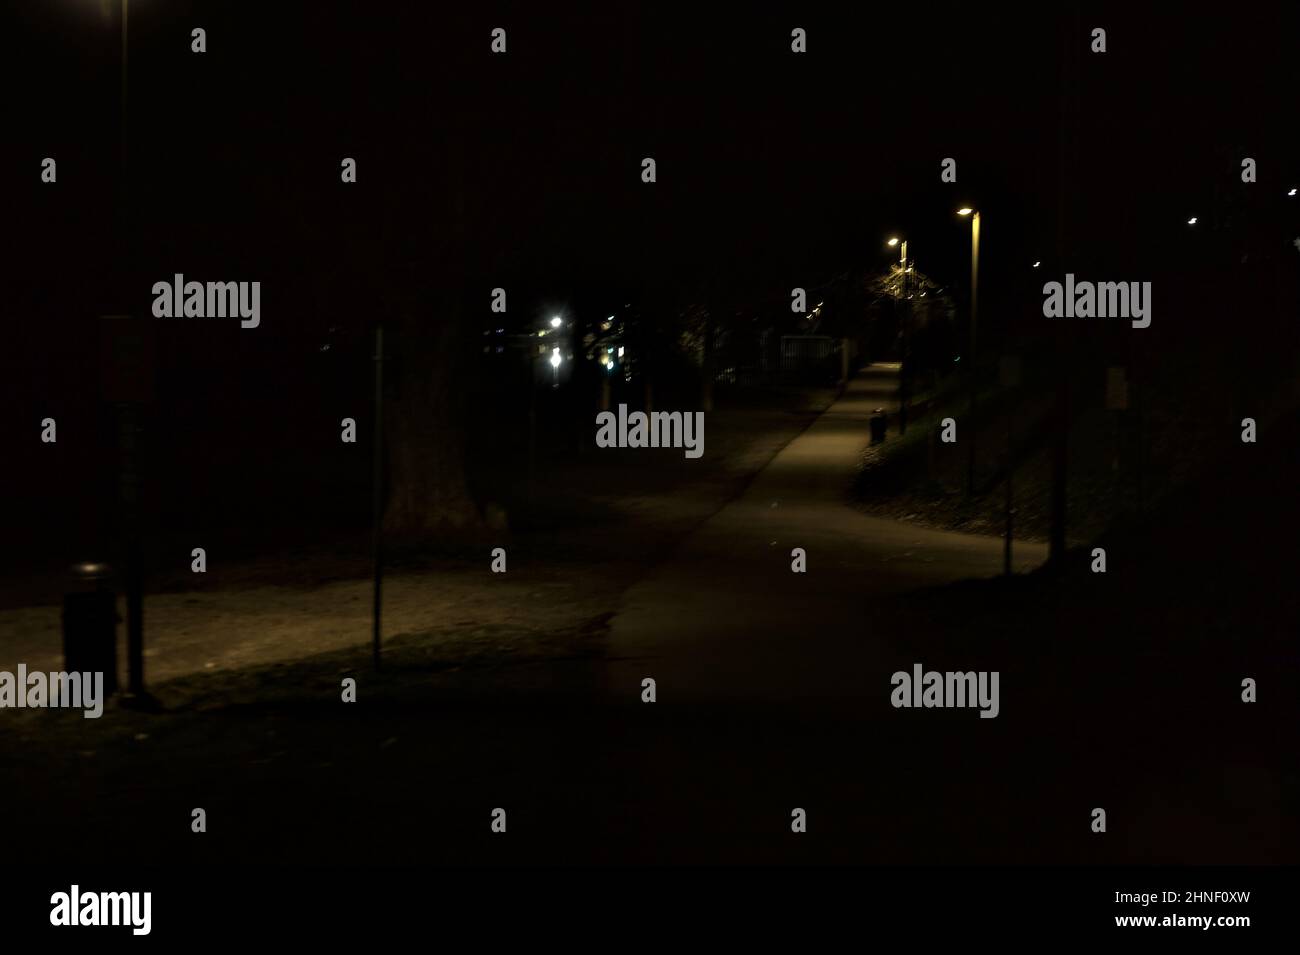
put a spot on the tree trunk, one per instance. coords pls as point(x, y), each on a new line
point(428, 497)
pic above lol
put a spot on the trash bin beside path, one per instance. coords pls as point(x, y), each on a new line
point(90, 623)
point(879, 425)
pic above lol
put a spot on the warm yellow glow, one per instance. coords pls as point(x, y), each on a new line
point(892, 243)
point(965, 211)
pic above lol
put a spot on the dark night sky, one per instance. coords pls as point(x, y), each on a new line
point(524, 169)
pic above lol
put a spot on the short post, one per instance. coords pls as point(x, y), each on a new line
point(1009, 378)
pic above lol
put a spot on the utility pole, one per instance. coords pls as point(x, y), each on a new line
point(1067, 144)
point(377, 490)
point(130, 428)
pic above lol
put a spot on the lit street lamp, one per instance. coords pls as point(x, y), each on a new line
point(905, 365)
point(974, 325)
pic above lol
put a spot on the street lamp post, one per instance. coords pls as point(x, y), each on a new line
point(130, 417)
point(974, 326)
point(905, 364)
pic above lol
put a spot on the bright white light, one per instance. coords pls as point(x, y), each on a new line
point(965, 211)
point(1037, 264)
point(620, 351)
point(1192, 221)
point(892, 242)
point(556, 359)
point(555, 322)
point(1291, 193)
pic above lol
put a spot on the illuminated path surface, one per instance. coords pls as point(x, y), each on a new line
point(773, 687)
point(725, 617)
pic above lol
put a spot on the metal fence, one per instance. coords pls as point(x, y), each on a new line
point(785, 359)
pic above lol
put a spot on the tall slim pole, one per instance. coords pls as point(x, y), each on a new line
point(1067, 151)
point(974, 325)
point(129, 427)
point(376, 485)
point(125, 19)
point(907, 347)
point(130, 484)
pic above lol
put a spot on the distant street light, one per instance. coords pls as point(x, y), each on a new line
point(556, 322)
point(892, 242)
point(1192, 221)
point(1292, 192)
point(1037, 264)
